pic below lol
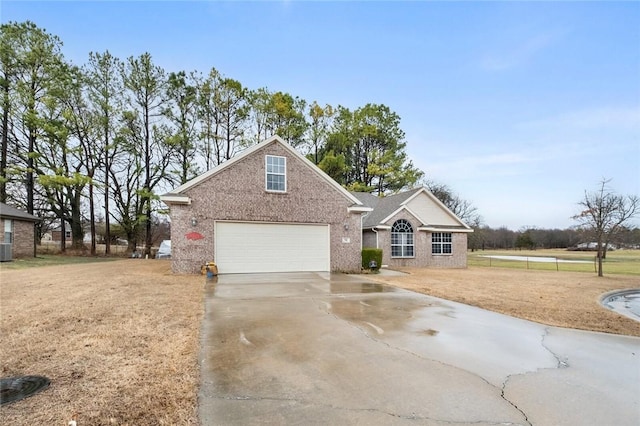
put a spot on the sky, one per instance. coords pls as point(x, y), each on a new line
point(519, 107)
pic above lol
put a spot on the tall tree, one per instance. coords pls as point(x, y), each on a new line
point(209, 118)
point(63, 163)
point(288, 118)
point(373, 145)
point(146, 89)
point(181, 111)
point(261, 113)
point(233, 107)
point(605, 214)
point(105, 88)
point(9, 70)
point(319, 123)
point(37, 56)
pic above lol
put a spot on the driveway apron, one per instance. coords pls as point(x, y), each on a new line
point(313, 348)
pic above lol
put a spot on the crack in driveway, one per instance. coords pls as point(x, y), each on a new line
point(366, 333)
point(308, 403)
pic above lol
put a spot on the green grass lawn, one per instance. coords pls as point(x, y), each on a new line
point(626, 262)
point(49, 260)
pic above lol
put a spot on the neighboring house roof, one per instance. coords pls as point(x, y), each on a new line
point(177, 195)
point(8, 212)
point(384, 208)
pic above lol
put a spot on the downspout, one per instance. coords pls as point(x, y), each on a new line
point(376, 232)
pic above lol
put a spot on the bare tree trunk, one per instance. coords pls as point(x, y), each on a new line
point(5, 142)
point(107, 227)
point(92, 220)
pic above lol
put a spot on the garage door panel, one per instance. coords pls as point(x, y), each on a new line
point(246, 247)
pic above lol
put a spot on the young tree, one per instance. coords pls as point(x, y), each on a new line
point(604, 214)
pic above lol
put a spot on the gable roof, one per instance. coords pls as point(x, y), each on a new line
point(9, 212)
point(177, 195)
point(384, 208)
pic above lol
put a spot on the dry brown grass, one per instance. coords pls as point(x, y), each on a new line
point(564, 299)
point(119, 341)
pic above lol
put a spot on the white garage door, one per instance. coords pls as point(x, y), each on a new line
point(247, 247)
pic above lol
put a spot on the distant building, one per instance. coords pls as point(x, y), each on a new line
point(18, 230)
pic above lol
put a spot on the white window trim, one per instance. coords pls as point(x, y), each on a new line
point(266, 174)
point(442, 244)
point(8, 229)
point(403, 246)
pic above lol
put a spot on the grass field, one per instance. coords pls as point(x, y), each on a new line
point(625, 262)
point(50, 260)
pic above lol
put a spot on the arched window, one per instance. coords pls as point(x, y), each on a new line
point(401, 239)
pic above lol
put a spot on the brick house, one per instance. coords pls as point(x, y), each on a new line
point(269, 209)
point(18, 229)
point(414, 228)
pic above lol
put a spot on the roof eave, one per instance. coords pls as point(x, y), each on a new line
point(359, 209)
point(437, 229)
point(175, 199)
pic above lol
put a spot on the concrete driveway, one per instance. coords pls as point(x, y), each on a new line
point(337, 349)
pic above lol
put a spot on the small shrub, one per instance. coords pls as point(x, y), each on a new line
point(369, 254)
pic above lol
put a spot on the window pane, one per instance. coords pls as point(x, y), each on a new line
point(276, 173)
point(435, 248)
point(446, 248)
point(401, 239)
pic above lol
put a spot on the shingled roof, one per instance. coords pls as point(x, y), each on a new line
point(8, 212)
point(382, 206)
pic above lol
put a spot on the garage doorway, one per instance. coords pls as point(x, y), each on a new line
point(251, 247)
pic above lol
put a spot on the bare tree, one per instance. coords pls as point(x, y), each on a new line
point(605, 214)
point(462, 208)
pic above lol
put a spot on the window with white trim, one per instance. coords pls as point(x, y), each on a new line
point(401, 239)
point(8, 231)
point(441, 243)
point(276, 173)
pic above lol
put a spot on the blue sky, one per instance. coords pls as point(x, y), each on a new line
point(519, 106)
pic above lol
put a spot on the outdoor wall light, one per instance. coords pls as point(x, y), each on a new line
point(194, 221)
point(346, 226)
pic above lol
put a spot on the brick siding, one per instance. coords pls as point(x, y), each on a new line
point(422, 247)
point(238, 193)
point(22, 238)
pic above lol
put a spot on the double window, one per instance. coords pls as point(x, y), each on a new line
point(401, 239)
point(441, 243)
point(276, 176)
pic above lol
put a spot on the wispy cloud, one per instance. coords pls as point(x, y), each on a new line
point(608, 117)
point(519, 53)
point(476, 166)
